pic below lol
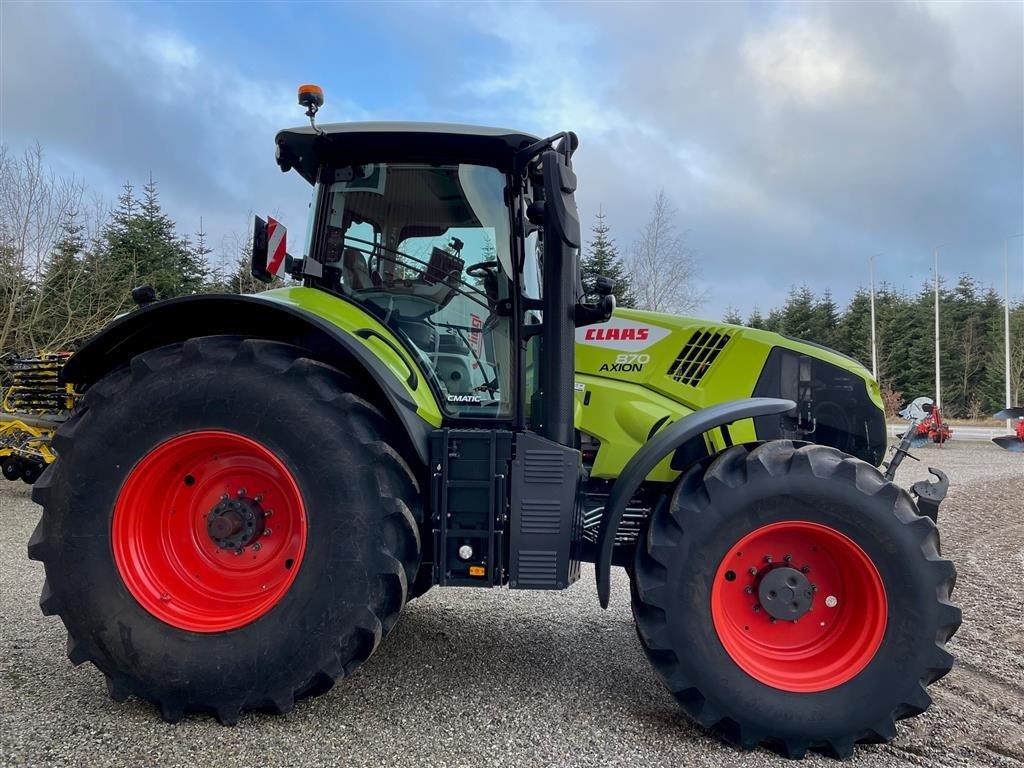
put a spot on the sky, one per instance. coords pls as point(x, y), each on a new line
point(796, 140)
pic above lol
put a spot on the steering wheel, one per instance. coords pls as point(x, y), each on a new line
point(481, 269)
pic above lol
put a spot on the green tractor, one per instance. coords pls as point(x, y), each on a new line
point(252, 487)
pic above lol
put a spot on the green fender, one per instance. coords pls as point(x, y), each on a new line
point(652, 453)
point(332, 329)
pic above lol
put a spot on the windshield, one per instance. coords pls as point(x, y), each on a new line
point(426, 249)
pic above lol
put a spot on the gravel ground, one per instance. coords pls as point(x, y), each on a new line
point(480, 678)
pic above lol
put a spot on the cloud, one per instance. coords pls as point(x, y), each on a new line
point(803, 60)
point(795, 139)
point(114, 101)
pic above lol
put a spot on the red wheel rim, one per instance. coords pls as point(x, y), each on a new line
point(826, 646)
point(161, 537)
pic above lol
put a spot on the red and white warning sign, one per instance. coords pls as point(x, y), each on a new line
point(276, 246)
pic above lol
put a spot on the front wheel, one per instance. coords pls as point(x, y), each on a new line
point(790, 596)
point(227, 526)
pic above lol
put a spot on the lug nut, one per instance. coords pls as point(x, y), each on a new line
point(787, 558)
point(748, 589)
point(241, 492)
point(805, 569)
point(256, 547)
point(752, 571)
point(767, 558)
point(238, 551)
point(267, 531)
point(772, 619)
point(757, 608)
point(258, 498)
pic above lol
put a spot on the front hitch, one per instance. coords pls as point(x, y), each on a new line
point(929, 495)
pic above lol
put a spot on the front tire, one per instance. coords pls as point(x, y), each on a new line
point(226, 527)
point(780, 532)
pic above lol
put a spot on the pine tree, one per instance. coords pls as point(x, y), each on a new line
point(756, 319)
point(774, 321)
point(853, 330)
point(732, 316)
point(826, 319)
point(65, 300)
point(201, 251)
point(799, 319)
point(601, 258)
point(167, 261)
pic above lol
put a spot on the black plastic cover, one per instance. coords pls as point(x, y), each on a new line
point(833, 405)
point(546, 515)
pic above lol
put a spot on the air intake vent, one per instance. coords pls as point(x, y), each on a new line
point(544, 517)
point(537, 568)
point(697, 356)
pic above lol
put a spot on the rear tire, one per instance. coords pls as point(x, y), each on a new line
point(355, 544)
point(834, 677)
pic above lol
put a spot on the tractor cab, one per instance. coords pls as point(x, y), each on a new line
point(428, 227)
point(463, 243)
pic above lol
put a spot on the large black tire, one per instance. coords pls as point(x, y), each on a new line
point(362, 549)
point(683, 554)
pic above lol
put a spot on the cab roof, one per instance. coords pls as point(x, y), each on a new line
point(306, 149)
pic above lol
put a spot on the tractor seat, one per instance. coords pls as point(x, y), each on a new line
point(354, 272)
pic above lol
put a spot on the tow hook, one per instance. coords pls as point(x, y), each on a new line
point(929, 495)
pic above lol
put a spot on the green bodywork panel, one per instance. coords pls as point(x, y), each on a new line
point(625, 391)
point(626, 388)
point(350, 318)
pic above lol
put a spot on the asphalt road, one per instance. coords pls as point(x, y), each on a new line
point(475, 678)
point(960, 431)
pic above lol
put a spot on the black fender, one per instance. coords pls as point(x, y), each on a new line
point(176, 320)
point(650, 455)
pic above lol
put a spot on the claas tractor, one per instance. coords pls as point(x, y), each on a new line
point(253, 487)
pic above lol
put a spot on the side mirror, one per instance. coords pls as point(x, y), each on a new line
point(561, 217)
point(604, 286)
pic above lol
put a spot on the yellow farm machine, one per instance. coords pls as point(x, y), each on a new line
point(34, 404)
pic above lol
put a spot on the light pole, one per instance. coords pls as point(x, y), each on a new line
point(1006, 319)
point(874, 345)
point(938, 372)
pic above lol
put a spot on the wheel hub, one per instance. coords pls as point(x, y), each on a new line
point(765, 615)
point(785, 593)
point(235, 523)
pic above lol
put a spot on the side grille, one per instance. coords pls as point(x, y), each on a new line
point(543, 467)
point(544, 517)
point(697, 356)
point(537, 568)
